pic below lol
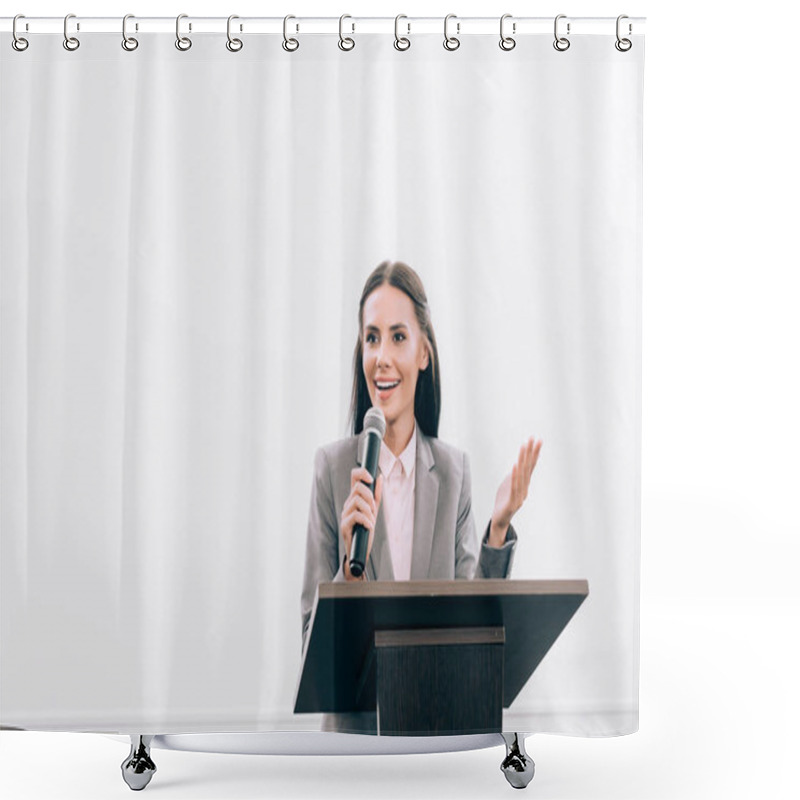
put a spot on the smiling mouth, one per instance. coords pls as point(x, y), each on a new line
point(385, 387)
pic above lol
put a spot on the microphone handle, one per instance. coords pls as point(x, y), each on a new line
point(358, 549)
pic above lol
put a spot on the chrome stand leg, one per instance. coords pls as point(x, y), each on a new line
point(138, 768)
point(518, 766)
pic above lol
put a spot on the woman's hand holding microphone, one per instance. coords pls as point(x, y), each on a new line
point(359, 508)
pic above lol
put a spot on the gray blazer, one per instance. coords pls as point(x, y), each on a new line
point(445, 542)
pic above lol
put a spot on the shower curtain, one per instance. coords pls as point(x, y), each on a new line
point(186, 235)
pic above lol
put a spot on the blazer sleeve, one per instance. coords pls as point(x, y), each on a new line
point(322, 538)
point(477, 559)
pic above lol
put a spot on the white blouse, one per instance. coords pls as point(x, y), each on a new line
point(397, 501)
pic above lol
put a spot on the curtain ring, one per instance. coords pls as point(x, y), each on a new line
point(451, 42)
point(18, 43)
point(561, 43)
point(70, 42)
point(128, 42)
point(506, 42)
point(290, 45)
point(346, 43)
point(181, 42)
point(234, 45)
point(623, 45)
point(401, 43)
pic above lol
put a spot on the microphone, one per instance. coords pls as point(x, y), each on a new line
point(375, 428)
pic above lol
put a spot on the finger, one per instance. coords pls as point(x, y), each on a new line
point(529, 456)
point(360, 505)
point(369, 542)
point(359, 474)
point(525, 470)
point(528, 463)
point(524, 480)
point(346, 531)
point(534, 458)
point(378, 492)
point(360, 518)
point(353, 518)
point(359, 490)
point(371, 502)
point(524, 457)
point(536, 450)
point(514, 485)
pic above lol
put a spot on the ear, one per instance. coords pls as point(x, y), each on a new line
point(425, 357)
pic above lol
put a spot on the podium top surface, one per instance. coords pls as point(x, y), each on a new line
point(457, 588)
point(346, 616)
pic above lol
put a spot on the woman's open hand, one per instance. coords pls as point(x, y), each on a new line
point(513, 491)
point(360, 507)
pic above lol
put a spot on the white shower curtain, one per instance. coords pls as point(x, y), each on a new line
point(185, 237)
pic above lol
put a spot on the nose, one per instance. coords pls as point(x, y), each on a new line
point(382, 359)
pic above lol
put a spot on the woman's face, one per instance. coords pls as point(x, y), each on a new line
point(394, 351)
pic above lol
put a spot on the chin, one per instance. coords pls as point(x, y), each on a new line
point(388, 414)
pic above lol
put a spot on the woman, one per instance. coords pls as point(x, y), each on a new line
point(420, 519)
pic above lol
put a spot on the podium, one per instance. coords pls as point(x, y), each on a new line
point(430, 657)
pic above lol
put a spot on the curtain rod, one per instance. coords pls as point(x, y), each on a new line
point(326, 25)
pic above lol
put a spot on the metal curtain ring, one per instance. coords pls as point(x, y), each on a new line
point(451, 42)
point(181, 42)
point(346, 43)
point(623, 45)
point(234, 45)
point(70, 42)
point(128, 42)
point(290, 45)
point(401, 42)
point(561, 43)
point(18, 43)
point(506, 42)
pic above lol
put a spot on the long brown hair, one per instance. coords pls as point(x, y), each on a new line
point(427, 395)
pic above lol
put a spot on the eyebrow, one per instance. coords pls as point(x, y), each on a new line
point(394, 327)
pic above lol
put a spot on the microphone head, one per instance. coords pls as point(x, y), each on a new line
point(375, 421)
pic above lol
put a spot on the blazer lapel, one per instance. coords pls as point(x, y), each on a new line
point(426, 499)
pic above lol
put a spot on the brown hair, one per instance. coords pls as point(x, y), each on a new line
point(427, 394)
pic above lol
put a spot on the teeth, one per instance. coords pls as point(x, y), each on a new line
point(383, 386)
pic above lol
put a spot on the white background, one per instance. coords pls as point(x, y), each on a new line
point(720, 525)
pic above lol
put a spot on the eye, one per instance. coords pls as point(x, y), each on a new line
point(401, 335)
point(370, 337)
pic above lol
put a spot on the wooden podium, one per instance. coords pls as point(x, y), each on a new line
point(431, 657)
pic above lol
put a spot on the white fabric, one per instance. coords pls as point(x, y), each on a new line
point(397, 502)
point(185, 236)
